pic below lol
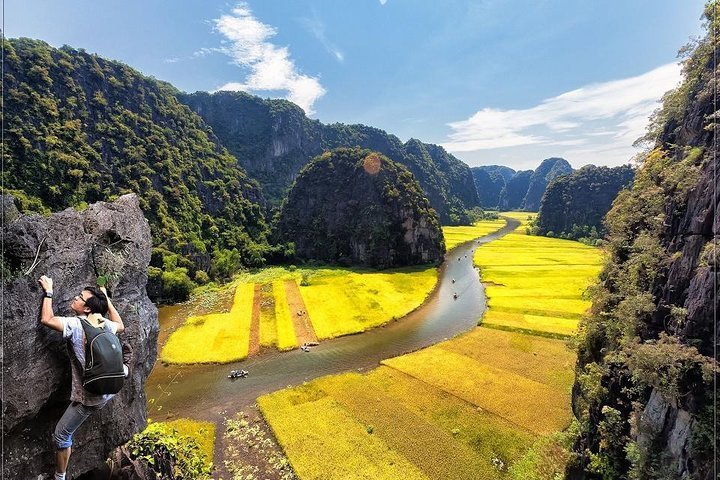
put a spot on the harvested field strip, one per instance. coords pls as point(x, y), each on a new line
point(217, 337)
point(505, 393)
point(286, 338)
point(430, 448)
point(454, 236)
point(574, 311)
point(541, 359)
point(324, 441)
point(489, 435)
point(268, 325)
point(304, 331)
point(254, 338)
point(561, 327)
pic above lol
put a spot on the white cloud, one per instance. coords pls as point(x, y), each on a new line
point(383, 2)
point(604, 117)
point(270, 67)
point(317, 28)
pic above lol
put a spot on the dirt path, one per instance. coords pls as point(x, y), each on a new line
point(304, 331)
point(254, 346)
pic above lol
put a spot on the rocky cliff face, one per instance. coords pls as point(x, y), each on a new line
point(549, 169)
point(273, 140)
point(514, 191)
point(490, 181)
point(73, 248)
point(574, 205)
point(357, 207)
point(647, 366)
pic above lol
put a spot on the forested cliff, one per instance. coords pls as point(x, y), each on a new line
point(644, 393)
point(351, 206)
point(273, 140)
point(575, 205)
point(79, 128)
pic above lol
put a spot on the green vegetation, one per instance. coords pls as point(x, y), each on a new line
point(185, 444)
point(85, 129)
point(250, 127)
point(357, 207)
point(574, 205)
point(648, 329)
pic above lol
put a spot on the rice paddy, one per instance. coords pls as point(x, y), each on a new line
point(474, 406)
point(536, 283)
point(327, 302)
point(216, 337)
point(454, 236)
point(465, 408)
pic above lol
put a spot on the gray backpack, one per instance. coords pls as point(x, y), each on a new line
point(103, 370)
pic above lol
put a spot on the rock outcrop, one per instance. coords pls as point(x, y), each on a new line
point(74, 248)
point(549, 169)
point(357, 207)
point(647, 364)
point(514, 191)
point(273, 140)
point(575, 205)
point(490, 181)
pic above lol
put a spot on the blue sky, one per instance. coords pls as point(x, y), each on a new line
point(496, 82)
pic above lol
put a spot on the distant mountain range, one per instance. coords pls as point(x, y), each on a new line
point(503, 188)
point(274, 139)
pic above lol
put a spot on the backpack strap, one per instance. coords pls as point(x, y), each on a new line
point(90, 333)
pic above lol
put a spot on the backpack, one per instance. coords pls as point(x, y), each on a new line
point(103, 371)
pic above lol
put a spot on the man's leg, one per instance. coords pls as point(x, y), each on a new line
point(73, 417)
point(63, 457)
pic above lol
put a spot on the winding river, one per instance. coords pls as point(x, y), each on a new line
point(204, 392)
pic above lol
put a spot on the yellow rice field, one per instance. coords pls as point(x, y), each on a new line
point(536, 283)
point(454, 236)
point(470, 407)
point(217, 337)
point(286, 339)
point(466, 408)
point(339, 301)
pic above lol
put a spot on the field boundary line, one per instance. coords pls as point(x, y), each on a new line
point(254, 340)
point(304, 331)
point(472, 405)
point(526, 331)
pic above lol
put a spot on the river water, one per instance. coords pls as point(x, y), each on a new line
point(204, 392)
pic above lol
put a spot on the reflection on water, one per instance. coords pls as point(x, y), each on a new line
point(204, 391)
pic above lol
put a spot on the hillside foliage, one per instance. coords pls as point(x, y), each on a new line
point(81, 129)
point(352, 206)
point(575, 205)
point(648, 340)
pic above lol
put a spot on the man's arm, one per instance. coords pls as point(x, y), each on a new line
point(113, 314)
point(47, 317)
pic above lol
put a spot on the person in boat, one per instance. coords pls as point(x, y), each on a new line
point(455, 295)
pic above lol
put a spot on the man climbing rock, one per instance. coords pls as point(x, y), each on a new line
point(90, 307)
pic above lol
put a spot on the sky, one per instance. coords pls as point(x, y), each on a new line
point(506, 82)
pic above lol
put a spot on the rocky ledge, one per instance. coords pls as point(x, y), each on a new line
point(73, 248)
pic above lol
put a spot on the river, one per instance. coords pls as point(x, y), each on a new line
point(203, 392)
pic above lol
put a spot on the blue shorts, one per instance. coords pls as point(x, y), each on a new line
point(73, 417)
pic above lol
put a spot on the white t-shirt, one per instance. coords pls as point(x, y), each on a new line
point(72, 329)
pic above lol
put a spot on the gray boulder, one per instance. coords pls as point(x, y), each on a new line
point(73, 248)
